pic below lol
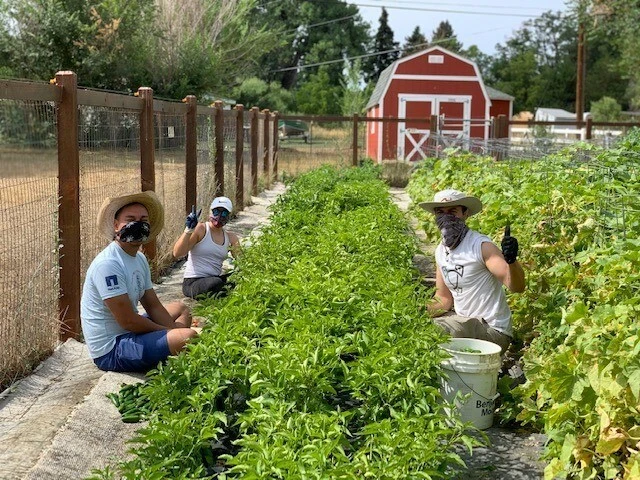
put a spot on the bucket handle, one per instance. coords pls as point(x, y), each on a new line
point(479, 394)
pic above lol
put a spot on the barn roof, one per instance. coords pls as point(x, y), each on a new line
point(387, 73)
point(383, 79)
point(497, 94)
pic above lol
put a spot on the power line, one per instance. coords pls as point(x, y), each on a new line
point(442, 10)
point(366, 55)
point(458, 5)
point(324, 23)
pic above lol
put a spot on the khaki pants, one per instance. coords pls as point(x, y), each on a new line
point(470, 327)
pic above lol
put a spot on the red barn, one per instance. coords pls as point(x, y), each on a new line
point(434, 81)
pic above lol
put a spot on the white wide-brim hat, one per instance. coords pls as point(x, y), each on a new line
point(222, 202)
point(111, 205)
point(450, 198)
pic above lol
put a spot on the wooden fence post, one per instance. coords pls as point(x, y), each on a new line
point(254, 149)
point(239, 157)
point(276, 120)
point(434, 129)
point(589, 131)
point(267, 146)
point(147, 161)
point(191, 160)
point(354, 158)
point(69, 207)
point(219, 160)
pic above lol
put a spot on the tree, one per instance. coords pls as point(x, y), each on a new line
point(384, 47)
point(619, 23)
point(354, 96)
point(606, 109)
point(414, 42)
point(103, 42)
point(537, 64)
point(206, 46)
point(444, 37)
point(306, 32)
point(256, 92)
point(319, 95)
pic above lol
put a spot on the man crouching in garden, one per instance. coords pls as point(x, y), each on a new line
point(118, 338)
point(471, 271)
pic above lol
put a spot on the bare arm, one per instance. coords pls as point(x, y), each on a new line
point(156, 311)
point(128, 318)
point(236, 248)
point(511, 275)
point(187, 241)
point(442, 301)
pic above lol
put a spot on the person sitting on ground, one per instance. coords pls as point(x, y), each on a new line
point(471, 271)
point(208, 245)
point(118, 338)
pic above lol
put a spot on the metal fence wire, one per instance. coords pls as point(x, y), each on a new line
point(323, 143)
point(229, 137)
point(109, 142)
point(206, 175)
point(28, 235)
point(170, 175)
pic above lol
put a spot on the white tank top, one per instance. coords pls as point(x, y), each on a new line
point(206, 257)
point(476, 292)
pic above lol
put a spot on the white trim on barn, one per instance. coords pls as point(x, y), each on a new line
point(448, 78)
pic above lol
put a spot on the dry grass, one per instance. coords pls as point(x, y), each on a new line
point(29, 286)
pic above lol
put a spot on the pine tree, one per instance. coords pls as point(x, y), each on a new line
point(443, 36)
point(414, 42)
point(383, 42)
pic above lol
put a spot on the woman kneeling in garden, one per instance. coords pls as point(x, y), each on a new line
point(208, 245)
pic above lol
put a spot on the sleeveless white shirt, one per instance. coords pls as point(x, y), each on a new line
point(476, 292)
point(206, 257)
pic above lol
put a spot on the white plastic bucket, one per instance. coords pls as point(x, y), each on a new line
point(472, 369)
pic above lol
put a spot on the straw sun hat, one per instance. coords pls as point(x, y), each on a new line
point(111, 205)
point(450, 198)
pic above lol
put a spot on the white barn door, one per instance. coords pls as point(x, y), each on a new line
point(412, 135)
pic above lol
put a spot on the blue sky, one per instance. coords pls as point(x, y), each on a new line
point(483, 23)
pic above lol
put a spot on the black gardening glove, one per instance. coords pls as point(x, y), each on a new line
point(192, 220)
point(509, 246)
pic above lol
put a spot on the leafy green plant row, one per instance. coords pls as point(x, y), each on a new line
point(576, 217)
point(320, 364)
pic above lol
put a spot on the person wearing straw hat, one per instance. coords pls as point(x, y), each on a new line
point(207, 245)
point(471, 272)
point(118, 338)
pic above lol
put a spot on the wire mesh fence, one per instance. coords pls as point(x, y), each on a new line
point(229, 138)
point(318, 143)
point(109, 142)
point(206, 175)
point(28, 235)
point(170, 183)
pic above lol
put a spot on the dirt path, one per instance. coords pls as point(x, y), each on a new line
point(58, 424)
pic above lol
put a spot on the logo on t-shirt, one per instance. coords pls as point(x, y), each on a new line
point(453, 276)
point(112, 282)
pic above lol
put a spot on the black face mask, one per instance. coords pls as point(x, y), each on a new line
point(134, 232)
point(453, 229)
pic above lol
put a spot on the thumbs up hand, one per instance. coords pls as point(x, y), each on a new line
point(509, 246)
point(192, 220)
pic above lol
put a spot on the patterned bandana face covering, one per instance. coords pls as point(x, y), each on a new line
point(134, 232)
point(453, 229)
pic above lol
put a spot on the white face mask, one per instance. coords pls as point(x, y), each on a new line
point(453, 229)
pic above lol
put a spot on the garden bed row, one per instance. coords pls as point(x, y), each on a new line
point(576, 217)
point(322, 363)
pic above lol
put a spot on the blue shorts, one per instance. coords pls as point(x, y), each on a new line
point(136, 352)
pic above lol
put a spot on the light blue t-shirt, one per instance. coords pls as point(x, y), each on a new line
point(113, 272)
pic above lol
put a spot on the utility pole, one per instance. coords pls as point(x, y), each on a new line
point(580, 73)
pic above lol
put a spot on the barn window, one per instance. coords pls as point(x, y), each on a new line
point(436, 58)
